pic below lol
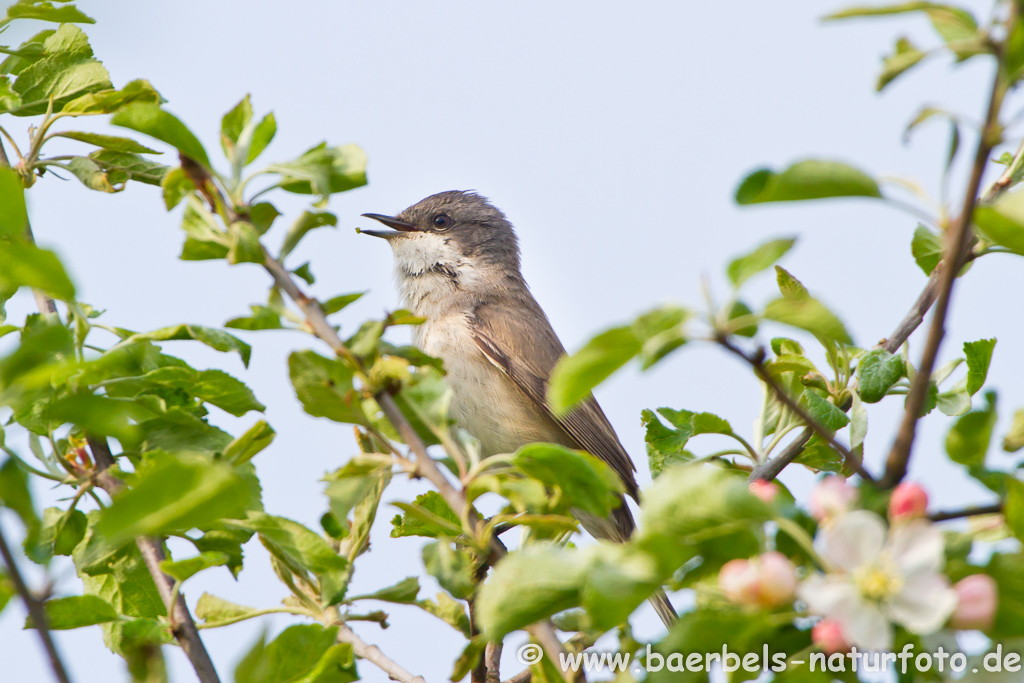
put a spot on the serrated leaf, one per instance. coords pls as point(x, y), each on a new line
point(904, 57)
point(214, 338)
point(337, 303)
point(172, 494)
point(324, 387)
point(66, 71)
point(877, 371)
point(246, 446)
point(439, 520)
point(111, 142)
point(808, 314)
point(245, 244)
point(323, 170)
point(403, 592)
point(47, 11)
point(453, 568)
point(151, 120)
point(75, 612)
point(979, 356)
point(1002, 223)
point(926, 248)
point(825, 413)
point(214, 611)
point(969, 438)
point(808, 179)
point(122, 166)
point(763, 257)
point(184, 569)
point(26, 265)
point(109, 101)
point(90, 173)
point(306, 222)
point(585, 482)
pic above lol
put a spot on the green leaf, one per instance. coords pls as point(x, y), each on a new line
point(819, 456)
point(323, 171)
point(262, 318)
point(26, 265)
point(90, 173)
point(179, 430)
point(468, 658)
point(151, 120)
point(337, 303)
point(262, 135)
point(809, 179)
point(176, 186)
point(763, 257)
point(1002, 223)
point(47, 11)
point(184, 569)
point(171, 494)
point(233, 123)
point(13, 215)
point(810, 315)
point(404, 592)
point(926, 248)
point(825, 413)
point(305, 272)
point(215, 339)
point(305, 653)
point(211, 386)
point(585, 482)
point(526, 586)
point(254, 440)
point(905, 56)
point(75, 612)
point(300, 548)
point(979, 357)
point(653, 334)
point(968, 440)
point(453, 568)
point(790, 287)
point(216, 611)
point(429, 516)
point(307, 221)
point(877, 371)
point(452, 612)
point(109, 101)
point(324, 387)
point(62, 530)
point(665, 446)
point(65, 72)
point(111, 142)
point(1013, 506)
point(122, 166)
point(1014, 439)
point(245, 244)
point(15, 495)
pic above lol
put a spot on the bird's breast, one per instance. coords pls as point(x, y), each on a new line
point(485, 401)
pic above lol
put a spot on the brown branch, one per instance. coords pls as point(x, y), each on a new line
point(183, 626)
point(492, 663)
point(976, 511)
point(35, 610)
point(372, 653)
point(523, 676)
point(757, 363)
point(958, 242)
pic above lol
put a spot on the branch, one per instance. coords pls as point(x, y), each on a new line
point(182, 625)
point(35, 611)
point(976, 511)
point(373, 654)
point(958, 244)
point(757, 363)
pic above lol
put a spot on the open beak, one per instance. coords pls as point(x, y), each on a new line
point(391, 222)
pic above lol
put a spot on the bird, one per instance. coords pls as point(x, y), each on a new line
point(457, 266)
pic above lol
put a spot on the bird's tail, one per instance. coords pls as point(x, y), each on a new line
point(619, 528)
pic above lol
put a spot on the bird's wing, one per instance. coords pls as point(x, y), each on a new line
point(527, 354)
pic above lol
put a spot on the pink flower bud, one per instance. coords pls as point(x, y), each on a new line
point(738, 580)
point(908, 501)
point(765, 490)
point(765, 581)
point(977, 599)
point(827, 635)
point(831, 497)
point(777, 581)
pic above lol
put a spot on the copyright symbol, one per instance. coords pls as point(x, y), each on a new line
point(530, 654)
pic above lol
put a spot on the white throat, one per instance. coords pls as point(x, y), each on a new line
point(430, 273)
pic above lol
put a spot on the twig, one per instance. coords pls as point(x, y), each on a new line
point(182, 624)
point(757, 363)
point(523, 676)
point(772, 468)
point(372, 653)
point(35, 611)
point(976, 511)
point(958, 240)
point(492, 663)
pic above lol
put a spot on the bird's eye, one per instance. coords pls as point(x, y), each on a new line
point(442, 221)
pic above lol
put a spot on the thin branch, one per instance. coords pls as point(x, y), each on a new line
point(976, 511)
point(757, 363)
point(182, 624)
point(773, 468)
point(35, 611)
point(523, 676)
point(492, 662)
point(958, 241)
point(373, 654)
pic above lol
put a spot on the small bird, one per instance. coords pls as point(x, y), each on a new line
point(457, 266)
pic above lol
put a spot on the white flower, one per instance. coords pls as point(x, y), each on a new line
point(877, 581)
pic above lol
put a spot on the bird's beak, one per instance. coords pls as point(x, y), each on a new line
point(391, 222)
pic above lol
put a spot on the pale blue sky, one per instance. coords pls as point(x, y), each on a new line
point(612, 135)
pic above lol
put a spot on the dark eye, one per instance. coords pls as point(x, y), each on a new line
point(442, 221)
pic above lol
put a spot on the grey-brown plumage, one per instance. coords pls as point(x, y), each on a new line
point(457, 265)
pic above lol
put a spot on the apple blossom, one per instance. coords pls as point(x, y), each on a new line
point(831, 497)
point(828, 636)
point(977, 599)
point(765, 490)
point(765, 581)
point(908, 501)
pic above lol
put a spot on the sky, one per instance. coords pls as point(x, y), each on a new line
point(612, 135)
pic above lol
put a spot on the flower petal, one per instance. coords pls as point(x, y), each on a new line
point(853, 540)
point(924, 604)
point(867, 627)
point(917, 547)
point(826, 595)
